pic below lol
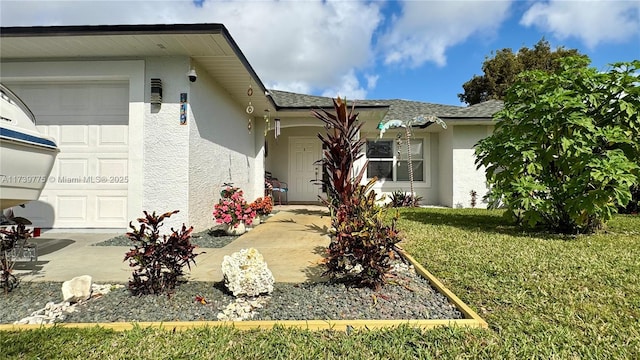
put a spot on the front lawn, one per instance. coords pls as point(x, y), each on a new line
point(544, 296)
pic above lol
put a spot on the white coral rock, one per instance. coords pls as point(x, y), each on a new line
point(246, 273)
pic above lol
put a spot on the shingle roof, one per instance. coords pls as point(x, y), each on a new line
point(285, 99)
point(406, 109)
point(398, 109)
point(482, 110)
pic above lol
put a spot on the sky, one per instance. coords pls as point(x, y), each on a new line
point(412, 50)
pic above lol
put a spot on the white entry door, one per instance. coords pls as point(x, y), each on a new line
point(88, 184)
point(304, 172)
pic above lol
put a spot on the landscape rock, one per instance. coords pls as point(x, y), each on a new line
point(246, 273)
point(77, 289)
point(53, 312)
point(99, 290)
point(242, 309)
point(398, 268)
point(50, 314)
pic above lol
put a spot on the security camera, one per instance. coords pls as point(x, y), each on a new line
point(192, 75)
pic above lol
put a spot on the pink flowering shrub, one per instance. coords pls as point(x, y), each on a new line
point(232, 208)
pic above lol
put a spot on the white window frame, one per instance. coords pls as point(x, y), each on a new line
point(395, 159)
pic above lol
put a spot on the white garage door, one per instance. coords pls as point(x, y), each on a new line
point(88, 184)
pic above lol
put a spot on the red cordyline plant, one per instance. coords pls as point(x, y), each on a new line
point(342, 149)
point(232, 209)
point(9, 240)
point(158, 260)
point(363, 246)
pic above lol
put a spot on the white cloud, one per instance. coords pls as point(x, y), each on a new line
point(299, 87)
point(317, 43)
point(372, 80)
point(593, 22)
point(298, 46)
point(349, 87)
point(425, 29)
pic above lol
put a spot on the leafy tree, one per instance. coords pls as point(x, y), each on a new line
point(501, 70)
point(565, 150)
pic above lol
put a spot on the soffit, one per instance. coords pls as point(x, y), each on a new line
point(214, 52)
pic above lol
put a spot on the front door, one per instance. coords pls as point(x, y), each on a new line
point(304, 172)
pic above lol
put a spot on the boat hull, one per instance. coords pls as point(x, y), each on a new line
point(24, 171)
point(26, 155)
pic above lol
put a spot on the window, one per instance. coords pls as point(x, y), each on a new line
point(380, 155)
point(388, 160)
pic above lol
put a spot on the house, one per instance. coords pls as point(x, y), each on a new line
point(444, 162)
point(159, 117)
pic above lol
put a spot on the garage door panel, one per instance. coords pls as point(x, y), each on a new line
point(110, 102)
point(88, 184)
point(74, 99)
point(86, 103)
point(71, 208)
point(113, 135)
point(110, 167)
point(73, 136)
point(71, 168)
point(38, 96)
point(111, 208)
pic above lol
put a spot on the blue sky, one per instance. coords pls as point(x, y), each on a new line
point(415, 50)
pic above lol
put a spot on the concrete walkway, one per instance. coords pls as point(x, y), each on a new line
point(291, 241)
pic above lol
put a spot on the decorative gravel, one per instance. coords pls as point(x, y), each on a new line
point(406, 296)
point(214, 237)
point(211, 238)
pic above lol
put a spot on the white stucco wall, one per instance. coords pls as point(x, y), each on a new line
point(132, 71)
point(445, 171)
point(465, 175)
point(166, 142)
point(221, 149)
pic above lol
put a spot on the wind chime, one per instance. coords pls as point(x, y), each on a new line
point(267, 124)
point(250, 108)
point(277, 131)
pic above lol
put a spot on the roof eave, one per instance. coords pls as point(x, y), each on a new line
point(114, 30)
point(90, 30)
point(329, 107)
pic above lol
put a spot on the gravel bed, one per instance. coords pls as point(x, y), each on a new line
point(27, 298)
point(211, 238)
point(407, 296)
point(214, 237)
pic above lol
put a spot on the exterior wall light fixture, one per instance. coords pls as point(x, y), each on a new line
point(156, 92)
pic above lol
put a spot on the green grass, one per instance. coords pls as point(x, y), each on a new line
point(544, 296)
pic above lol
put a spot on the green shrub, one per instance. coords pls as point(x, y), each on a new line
point(402, 199)
point(158, 260)
point(633, 207)
point(564, 153)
